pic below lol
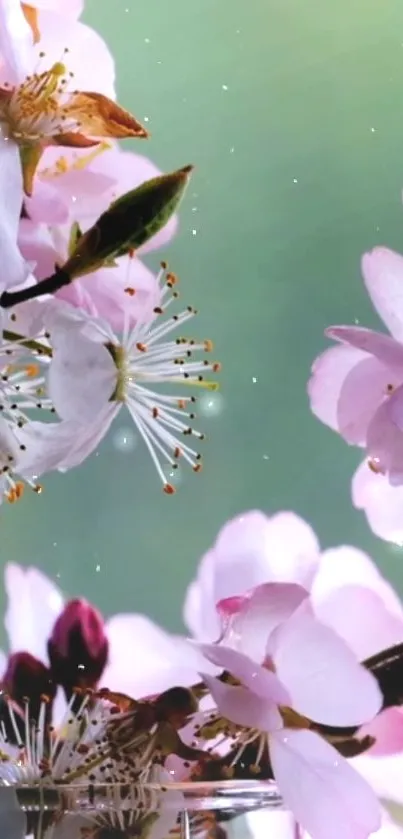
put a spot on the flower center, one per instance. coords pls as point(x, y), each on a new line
point(35, 110)
point(124, 375)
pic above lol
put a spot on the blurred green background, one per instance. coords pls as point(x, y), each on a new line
point(292, 113)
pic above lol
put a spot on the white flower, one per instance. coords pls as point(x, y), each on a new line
point(28, 447)
point(94, 373)
point(34, 754)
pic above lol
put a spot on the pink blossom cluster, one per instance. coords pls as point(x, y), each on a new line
point(79, 352)
point(291, 624)
point(356, 389)
point(293, 673)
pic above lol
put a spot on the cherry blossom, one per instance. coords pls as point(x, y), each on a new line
point(254, 549)
point(37, 106)
point(232, 597)
point(357, 389)
point(308, 673)
point(28, 447)
point(94, 373)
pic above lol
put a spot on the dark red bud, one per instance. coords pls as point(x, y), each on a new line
point(78, 647)
point(26, 678)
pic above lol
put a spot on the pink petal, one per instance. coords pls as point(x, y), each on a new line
point(329, 372)
point(36, 447)
point(362, 392)
point(28, 318)
point(383, 347)
point(282, 547)
point(88, 436)
point(77, 358)
point(243, 707)
point(250, 549)
point(323, 676)
point(199, 610)
point(16, 43)
point(269, 605)
point(15, 270)
point(395, 407)
point(232, 605)
point(103, 292)
point(144, 659)
point(385, 439)
point(345, 611)
point(381, 502)
point(33, 595)
point(45, 446)
point(96, 74)
point(54, 199)
point(382, 270)
point(347, 566)
point(37, 246)
point(387, 728)
point(257, 679)
point(322, 791)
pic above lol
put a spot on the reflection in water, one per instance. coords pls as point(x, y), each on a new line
point(122, 813)
point(201, 811)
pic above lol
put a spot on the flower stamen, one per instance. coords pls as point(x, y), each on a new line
point(147, 356)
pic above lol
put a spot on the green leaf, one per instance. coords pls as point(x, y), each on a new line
point(128, 223)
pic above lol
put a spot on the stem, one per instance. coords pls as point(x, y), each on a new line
point(47, 286)
point(29, 343)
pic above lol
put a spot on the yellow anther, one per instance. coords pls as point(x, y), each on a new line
point(59, 69)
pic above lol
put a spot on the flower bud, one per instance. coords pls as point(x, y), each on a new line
point(130, 221)
point(27, 679)
point(78, 647)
